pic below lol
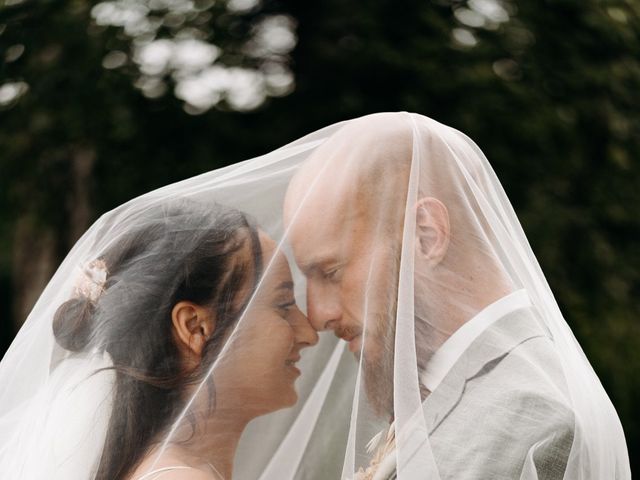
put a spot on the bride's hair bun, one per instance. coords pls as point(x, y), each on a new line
point(72, 323)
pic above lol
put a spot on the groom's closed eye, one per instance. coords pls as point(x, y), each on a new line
point(333, 274)
point(329, 271)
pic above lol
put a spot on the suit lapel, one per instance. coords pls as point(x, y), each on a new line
point(482, 356)
point(443, 400)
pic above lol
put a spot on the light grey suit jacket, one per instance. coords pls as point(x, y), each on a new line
point(502, 410)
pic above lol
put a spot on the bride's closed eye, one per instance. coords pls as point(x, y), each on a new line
point(284, 301)
point(285, 305)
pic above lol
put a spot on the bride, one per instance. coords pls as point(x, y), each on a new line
point(162, 302)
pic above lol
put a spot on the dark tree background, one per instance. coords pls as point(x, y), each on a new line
point(100, 102)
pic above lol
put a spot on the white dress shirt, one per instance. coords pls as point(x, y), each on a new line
point(453, 348)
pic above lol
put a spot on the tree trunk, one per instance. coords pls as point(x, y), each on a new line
point(38, 247)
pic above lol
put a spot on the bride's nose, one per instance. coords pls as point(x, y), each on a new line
point(305, 334)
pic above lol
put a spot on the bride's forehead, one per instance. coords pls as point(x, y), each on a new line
point(267, 244)
point(273, 258)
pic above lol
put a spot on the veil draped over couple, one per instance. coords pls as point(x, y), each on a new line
point(359, 304)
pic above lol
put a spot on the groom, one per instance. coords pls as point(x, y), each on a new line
point(493, 390)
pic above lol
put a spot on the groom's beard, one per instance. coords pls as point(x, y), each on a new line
point(378, 364)
point(378, 372)
point(379, 367)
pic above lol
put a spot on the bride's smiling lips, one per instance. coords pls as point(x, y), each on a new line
point(291, 364)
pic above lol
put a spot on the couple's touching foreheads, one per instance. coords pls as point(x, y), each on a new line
point(359, 304)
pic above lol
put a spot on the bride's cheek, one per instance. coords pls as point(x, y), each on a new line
point(287, 337)
point(281, 340)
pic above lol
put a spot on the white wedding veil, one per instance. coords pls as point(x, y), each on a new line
point(169, 337)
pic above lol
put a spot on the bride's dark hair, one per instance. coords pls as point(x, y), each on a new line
point(168, 253)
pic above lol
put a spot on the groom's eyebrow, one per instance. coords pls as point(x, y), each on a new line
point(317, 267)
point(309, 269)
point(317, 264)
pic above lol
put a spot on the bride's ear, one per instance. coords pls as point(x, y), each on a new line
point(432, 229)
point(192, 326)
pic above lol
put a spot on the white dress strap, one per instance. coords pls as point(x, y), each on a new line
point(156, 473)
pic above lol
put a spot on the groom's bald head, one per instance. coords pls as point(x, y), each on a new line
point(362, 166)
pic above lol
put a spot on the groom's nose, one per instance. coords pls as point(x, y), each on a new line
point(323, 307)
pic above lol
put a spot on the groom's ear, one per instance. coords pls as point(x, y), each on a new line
point(432, 229)
point(192, 327)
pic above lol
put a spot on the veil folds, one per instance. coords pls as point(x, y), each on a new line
point(180, 331)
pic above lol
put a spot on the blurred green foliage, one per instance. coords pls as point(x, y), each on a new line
point(550, 90)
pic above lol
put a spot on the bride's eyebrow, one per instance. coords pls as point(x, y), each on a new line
point(286, 285)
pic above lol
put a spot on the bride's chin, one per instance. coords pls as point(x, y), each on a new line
point(287, 399)
point(293, 398)
point(277, 400)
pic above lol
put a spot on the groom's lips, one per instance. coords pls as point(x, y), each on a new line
point(352, 335)
point(354, 343)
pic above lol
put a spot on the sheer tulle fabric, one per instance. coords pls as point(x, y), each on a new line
point(179, 334)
